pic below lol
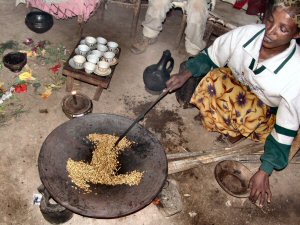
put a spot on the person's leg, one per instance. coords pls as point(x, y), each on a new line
point(197, 14)
point(155, 15)
point(152, 25)
point(228, 107)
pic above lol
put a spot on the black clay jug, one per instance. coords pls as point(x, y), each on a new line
point(156, 75)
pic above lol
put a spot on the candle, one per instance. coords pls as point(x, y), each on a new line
point(74, 97)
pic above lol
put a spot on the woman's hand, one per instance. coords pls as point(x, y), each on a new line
point(177, 80)
point(260, 188)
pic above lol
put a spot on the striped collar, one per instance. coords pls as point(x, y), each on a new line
point(252, 47)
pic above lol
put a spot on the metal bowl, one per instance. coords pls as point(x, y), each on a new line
point(15, 61)
point(39, 21)
point(233, 177)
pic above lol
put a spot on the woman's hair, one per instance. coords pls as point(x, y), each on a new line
point(292, 7)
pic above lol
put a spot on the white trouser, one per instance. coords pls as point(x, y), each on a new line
point(197, 14)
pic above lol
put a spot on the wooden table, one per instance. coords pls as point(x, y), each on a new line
point(81, 75)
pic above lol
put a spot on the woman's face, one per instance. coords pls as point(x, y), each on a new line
point(280, 29)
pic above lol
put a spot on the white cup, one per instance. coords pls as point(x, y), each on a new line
point(101, 40)
point(112, 46)
point(83, 49)
point(79, 60)
point(103, 66)
point(109, 57)
point(89, 67)
point(102, 48)
point(96, 53)
point(90, 41)
point(92, 58)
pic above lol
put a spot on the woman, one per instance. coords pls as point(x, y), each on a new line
point(255, 70)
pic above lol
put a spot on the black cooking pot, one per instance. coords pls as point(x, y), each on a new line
point(39, 21)
point(69, 141)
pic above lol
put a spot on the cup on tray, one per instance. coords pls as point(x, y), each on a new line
point(102, 48)
point(79, 60)
point(103, 66)
point(112, 46)
point(83, 49)
point(92, 58)
point(109, 57)
point(101, 40)
point(96, 53)
point(90, 41)
point(89, 67)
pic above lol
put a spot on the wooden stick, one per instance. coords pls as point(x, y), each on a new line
point(185, 164)
point(254, 158)
point(182, 165)
point(243, 149)
point(247, 154)
point(181, 155)
point(244, 153)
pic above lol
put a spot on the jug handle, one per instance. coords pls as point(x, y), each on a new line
point(169, 69)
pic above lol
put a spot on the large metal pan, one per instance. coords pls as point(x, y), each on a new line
point(69, 141)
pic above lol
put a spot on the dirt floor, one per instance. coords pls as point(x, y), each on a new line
point(27, 119)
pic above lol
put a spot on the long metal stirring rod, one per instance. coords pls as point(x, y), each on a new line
point(142, 115)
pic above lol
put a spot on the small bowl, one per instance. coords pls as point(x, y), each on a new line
point(102, 48)
point(15, 61)
point(103, 66)
point(93, 59)
point(39, 21)
point(89, 67)
point(83, 49)
point(233, 177)
point(101, 40)
point(90, 41)
point(96, 53)
point(79, 60)
point(112, 46)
